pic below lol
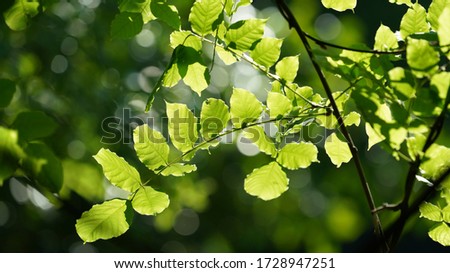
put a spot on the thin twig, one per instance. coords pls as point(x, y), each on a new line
point(293, 23)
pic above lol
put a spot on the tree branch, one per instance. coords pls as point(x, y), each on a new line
point(287, 14)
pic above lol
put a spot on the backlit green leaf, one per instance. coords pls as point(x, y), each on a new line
point(441, 234)
point(435, 10)
point(279, 105)
point(204, 16)
point(441, 82)
point(431, 212)
point(446, 214)
point(7, 90)
point(287, 68)
point(185, 38)
point(226, 56)
point(444, 27)
point(182, 126)
point(385, 39)
point(339, 5)
point(148, 201)
point(178, 169)
point(133, 5)
point(337, 150)
point(267, 51)
point(298, 155)
point(422, 57)
point(402, 80)
point(214, 118)
point(374, 135)
point(166, 13)
point(243, 34)
point(19, 15)
point(126, 25)
point(352, 118)
point(103, 221)
point(191, 68)
point(401, 2)
point(151, 147)
point(245, 107)
point(267, 182)
point(436, 161)
point(414, 20)
point(118, 171)
point(257, 136)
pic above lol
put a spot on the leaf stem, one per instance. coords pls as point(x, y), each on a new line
point(293, 23)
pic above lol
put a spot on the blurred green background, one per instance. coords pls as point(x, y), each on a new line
point(66, 65)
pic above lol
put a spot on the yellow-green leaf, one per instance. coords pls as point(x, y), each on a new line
point(148, 201)
point(337, 150)
point(339, 5)
point(257, 136)
point(182, 126)
point(267, 182)
point(118, 171)
point(298, 155)
point(151, 147)
point(245, 107)
point(103, 221)
point(267, 51)
point(441, 234)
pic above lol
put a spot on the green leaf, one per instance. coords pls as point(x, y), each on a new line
point(279, 105)
point(435, 10)
point(339, 5)
point(185, 38)
point(182, 126)
point(178, 169)
point(7, 90)
point(267, 51)
point(287, 68)
point(245, 107)
point(243, 34)
point(133, 5)
point(402, 2)
point(19, 15)
point(422, 57)
point(441, 234)
point(226, 56)
point(385, 39)
point(446, 214)
point(436, 161)
point(204, 16)
point(33, 125)
point(166, 13)
point(353, 118)
point(441, 82)
point(444, 27)
point(257, 136)
point(43, 165)
point(84, 179)
point(337, 150)
point(402, 80)
point(267, 182)
point(10, 153)
point(151, 147)
point(103, 221)
point(297, 155)
point(191, 68)
point(375, 136)
point(126, 25)
point(148, 201)
point(118, 171)
point(214, 118)
point(431, 212)
point(414, 20)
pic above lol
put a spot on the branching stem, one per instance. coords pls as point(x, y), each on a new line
point(293, 23)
